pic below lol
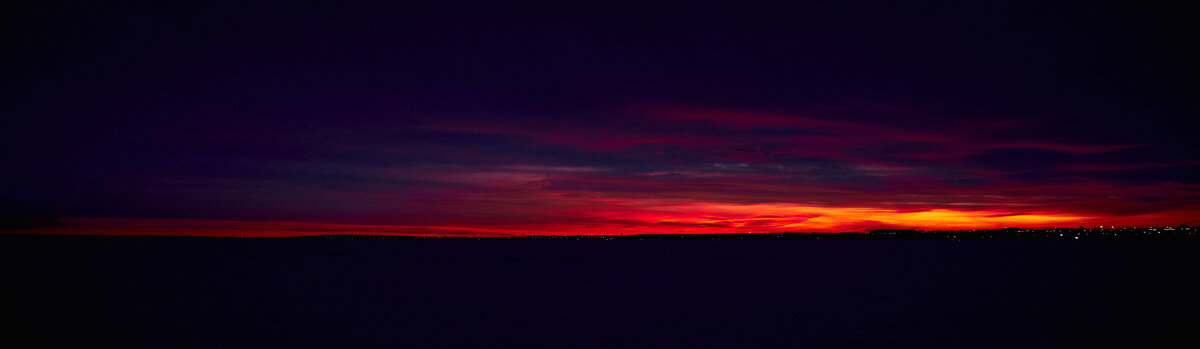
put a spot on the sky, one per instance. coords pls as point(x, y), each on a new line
point(499, 118)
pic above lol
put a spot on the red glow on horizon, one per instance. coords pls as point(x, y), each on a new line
point(622, 218)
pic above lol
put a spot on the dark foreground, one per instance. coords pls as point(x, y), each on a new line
point(206, 292)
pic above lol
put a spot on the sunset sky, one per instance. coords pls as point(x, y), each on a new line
point(694, 117)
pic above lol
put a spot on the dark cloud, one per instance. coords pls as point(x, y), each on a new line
point(686, 115)
point(1019, 160)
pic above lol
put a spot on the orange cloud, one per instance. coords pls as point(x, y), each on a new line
point(781, 217)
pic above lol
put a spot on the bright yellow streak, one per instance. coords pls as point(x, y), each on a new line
point(778, 216)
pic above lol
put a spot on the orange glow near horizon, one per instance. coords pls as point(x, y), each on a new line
point(799, 218)
point(639, 217)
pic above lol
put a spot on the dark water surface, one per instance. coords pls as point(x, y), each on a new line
point(207, 292)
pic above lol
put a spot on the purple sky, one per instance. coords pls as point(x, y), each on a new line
point(673, 117)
